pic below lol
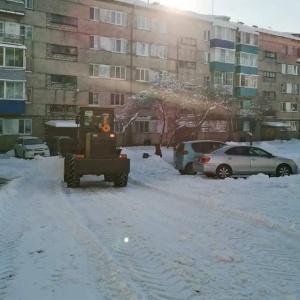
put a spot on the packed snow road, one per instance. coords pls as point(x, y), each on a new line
point(164, 236)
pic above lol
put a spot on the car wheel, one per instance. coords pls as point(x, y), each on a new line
point(73, 179)
point(189, 169)
point(223, 171)
point(120, 180)
point(182, 172)
point(283, 170)
point(109, 178)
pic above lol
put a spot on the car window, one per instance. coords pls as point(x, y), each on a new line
point(32, 142)
point(244, 151)
point(259, 152)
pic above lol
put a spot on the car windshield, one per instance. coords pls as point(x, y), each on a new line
point(33, 142)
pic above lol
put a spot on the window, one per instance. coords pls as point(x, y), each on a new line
point(29, 4)
point(247, 38)
point(27, 32)
point(163, 75)
point(223, 33)
point(107, 71)
point(244, 80)
point(64, 79)
point(142, 75)
point(293, 125)
point(289, 107)
point(270, 55)
point(223, 78)
point(223, 55)
point(244, 126)
point(159, 51)
point(206, 35)
point(270, 95)
point(187, 41)
point(28, 94)
point(118, 45)
point(269, 74)
point(12, 57)
point(290, 88)
point(111, 17)
point(15, 126)
point(108, 44)
point(143, 23)
point(94, 98)
point(187, 65)
point(95, 14)
point(206, 57)
point(142, 126)
point(67, 50)
point(289, 69)
point(12, 90)
point(163, 27)
point(142, 49)
point(64, 20)
point(246, 59)
point(117, 99)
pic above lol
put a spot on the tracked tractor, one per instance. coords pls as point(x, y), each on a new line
point(95, 152)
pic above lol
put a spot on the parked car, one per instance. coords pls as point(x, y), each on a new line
point(243, 161)
point(30, 146)
point(59, 145)
point(184, 154)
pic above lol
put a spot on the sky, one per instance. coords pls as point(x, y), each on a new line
point(277, 15)
point(164, 236)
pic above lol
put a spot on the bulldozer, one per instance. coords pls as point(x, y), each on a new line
point(95, 150)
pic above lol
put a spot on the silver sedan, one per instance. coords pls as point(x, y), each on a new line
point(242, 161)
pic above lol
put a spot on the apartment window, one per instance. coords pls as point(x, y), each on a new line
point(63, 79)
point(289, 69)
point(269, 54)
point(64, 20)
point(117, 99)
point(187, 41)
point(29, 4)
point(295, 88)
point(223, 33)
point(163, 27)
point(95, 14)
point(12, 90)
point(246, 59)
point(93, 98)
point(206, 35)
point(268, 94)
point(206, 57)
point(269, 74)
point(163, 75)
point(222, 78)
point(142, 75)
point(289, 107)
point(27, 32)
point(293, 125)
point(223, 55)
point(244, 80)
point(113, 17)
point(289, 88)
point(143, 23)
point(142, 126)
point(108, 44)
point(247, 38)
point(11, 57)
point(159, 51)
point(290, 50)
point(142, 49)
point(67, 50)
point(118, 45)
point(107, 71)
point(187, 65)
point(15, 126)
point(243, 126)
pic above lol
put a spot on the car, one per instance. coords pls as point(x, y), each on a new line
point(59, 145)
point(184, 152)
point(240, 160)
point(30, 146)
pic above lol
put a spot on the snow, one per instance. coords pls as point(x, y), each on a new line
point(164, 236)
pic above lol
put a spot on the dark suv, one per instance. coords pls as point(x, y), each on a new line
point(184, 153)
point(59, 145)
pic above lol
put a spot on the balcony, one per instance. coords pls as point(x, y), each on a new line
point(12, 107)
point(12, 39)
point(16, 7)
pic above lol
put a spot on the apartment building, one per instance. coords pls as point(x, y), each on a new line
point(58, 55)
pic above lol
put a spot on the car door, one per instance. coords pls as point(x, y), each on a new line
point(261, 161)
point(239, 160)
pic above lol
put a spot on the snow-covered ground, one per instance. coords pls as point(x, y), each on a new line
point(164, 236)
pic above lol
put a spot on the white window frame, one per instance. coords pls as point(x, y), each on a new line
point(142, 126)
point(11, 126)
point(29, 4)
point(294, 125)
point(163, 75)
point(142, 49)
point(143, 23)
point(250, 81)
point(118, 72)
point(163, 26)
point(142, 75)
point(5, 90)
point(113, 17)
point(289, 107)
point(114, 100)
point(246, 59)
point(118, 45)
point(206, 57)
point(223, 55)
point(207, 35)
point(96, 13)
point(95, 98)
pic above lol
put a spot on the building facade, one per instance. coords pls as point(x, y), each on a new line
point(57, 55)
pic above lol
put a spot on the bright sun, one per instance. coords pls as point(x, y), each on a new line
point(181, 4)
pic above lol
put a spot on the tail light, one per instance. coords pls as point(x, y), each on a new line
point(123, 155)
point(79, 155)
point(185, 152)
point(205, 159)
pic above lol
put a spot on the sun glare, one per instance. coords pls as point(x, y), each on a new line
point(180, 4)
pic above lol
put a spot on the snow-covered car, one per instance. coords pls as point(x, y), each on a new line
point(30, 146)
point(242, 161)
